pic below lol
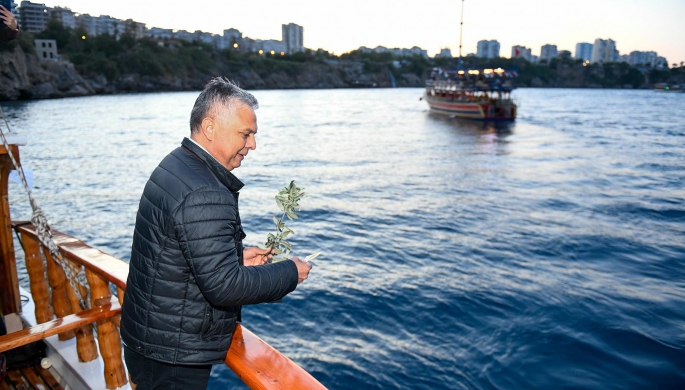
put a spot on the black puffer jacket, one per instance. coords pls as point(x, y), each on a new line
point(186, 279)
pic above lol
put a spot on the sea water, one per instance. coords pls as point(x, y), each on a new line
point(546, 253)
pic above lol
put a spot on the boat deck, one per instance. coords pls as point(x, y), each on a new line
point(30, 378)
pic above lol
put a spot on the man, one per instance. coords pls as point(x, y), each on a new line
point(9, 29)
point(189, 274)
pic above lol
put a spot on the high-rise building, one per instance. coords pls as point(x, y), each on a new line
point(33, 17)
point(293, 38)
point(488, 49)
point(107, 25)
point(135, 29)
point(64, 16)
point(583, 51)
point(445, 53)
point(521, 52)
point(547, 52)
point(603, 51)
point(88, 23)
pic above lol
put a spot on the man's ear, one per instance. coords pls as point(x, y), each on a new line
point(208, 128)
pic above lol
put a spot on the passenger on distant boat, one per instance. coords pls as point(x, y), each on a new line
point(189, 274)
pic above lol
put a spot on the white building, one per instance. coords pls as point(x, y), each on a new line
point(107, 25)
point(583, 51)
point(184, 35)
point(233, 39)
point(33, 17)
point(204, 37)
point(64, 16)
point(293, 38)
point(488, 49)
point(87, 23)
point(135, 29)
point(414, 51)
point(160, 33)
point(646, 58)
point(518, 51)
point(46, 49)
point(547, 52)
point(603, 51)
point(445, 53)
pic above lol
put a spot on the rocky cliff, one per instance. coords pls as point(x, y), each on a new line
point(24, 76)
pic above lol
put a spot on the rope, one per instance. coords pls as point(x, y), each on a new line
point(44, 232)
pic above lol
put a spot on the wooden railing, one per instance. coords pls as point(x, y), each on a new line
point(258, 364)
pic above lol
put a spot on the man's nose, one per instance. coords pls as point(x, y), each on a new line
point(251, 142)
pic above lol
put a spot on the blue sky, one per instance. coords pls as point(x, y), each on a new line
point(340, 26)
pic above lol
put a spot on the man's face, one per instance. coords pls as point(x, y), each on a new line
point(234, 134)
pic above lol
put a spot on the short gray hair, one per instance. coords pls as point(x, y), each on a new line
point(218, 90)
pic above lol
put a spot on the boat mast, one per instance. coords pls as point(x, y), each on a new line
point(461, 29)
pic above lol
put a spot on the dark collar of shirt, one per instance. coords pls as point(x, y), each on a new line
point(224, 175)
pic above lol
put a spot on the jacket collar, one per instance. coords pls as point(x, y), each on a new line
point(222, 174)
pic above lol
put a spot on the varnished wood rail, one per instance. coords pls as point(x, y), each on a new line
point(254, 361)
point(262, 367)
point(107, 266)
point(59, 325)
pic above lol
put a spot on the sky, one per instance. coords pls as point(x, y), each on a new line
point(342, 26)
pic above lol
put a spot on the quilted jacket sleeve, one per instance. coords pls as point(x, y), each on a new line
point(205, 224)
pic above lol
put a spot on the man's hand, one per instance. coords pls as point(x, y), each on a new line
point(303, 268)
point(7, 17)
point(256, 256)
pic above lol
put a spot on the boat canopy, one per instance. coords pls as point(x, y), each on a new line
point(484, 79)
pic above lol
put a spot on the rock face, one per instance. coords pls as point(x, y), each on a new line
point(24, 76)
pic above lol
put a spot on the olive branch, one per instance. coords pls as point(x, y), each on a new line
point(287, 200)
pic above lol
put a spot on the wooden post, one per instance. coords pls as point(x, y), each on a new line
point(108, 334)
point(36, 271)
point(120, 297)
point(60, 299)
point(10, 300)
point(85, 341)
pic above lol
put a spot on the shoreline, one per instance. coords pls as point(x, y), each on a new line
point(121, 93)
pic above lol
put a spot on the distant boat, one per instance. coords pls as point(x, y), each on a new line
point(664, 87)
point(483, 94)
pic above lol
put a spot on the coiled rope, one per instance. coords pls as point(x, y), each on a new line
point(44, 232)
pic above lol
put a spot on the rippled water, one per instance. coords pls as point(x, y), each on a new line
point(549, 253)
